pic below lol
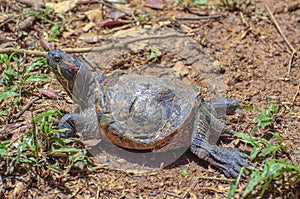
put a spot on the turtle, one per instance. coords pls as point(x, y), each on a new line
point(144, 112)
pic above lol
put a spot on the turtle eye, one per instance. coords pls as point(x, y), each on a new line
point(57, 58)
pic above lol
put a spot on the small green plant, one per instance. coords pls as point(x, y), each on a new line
point(142, 17)
point(266, 152)
point(18, 77)
point(198, 2)
point(44, 15)
point(3, 148)
point(155, 53)
point(274, 170)
point(184, 173)
point(192, 2)
point(41, 144)
point(234, 185)
point(262, 147)
point(229, 4)
point(267, 117)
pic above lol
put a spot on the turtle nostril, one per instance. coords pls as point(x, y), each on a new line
point(51, 53)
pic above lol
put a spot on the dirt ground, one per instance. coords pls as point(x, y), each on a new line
point(252, 58)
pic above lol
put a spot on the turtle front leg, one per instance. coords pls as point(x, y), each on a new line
point(228, 160)
point(83, 124)
point(67, 122)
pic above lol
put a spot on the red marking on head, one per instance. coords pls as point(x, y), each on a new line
point(76, 69)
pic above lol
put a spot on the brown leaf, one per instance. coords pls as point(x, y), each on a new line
point(112, 23)
point(116, 14)
point(49, 93)
point(155, 4)
point(45, 44)
point(4, 39)
point(118, 1)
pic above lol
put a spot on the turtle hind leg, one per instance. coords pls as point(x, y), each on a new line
point(228, 160)
point(223, 106)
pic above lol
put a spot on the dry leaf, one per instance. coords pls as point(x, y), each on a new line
point(118, 1)
point(3, 17)
point(45, 44)
point(112, 23)
point(49, 93)
point(90, 37)
point(88, 26)
point(62, 7)
point(68, 33)
point(155, 4)
point(94, 15)
point(181, 69)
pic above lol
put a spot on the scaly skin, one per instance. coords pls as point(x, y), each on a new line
point(152, 92)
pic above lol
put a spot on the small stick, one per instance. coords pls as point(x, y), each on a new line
point(295, 96)
point(91, 49)
point(172, 194)
point(211, 178)
point(190, 188)
point(283, 36)
point(291, 61)
point(198, 18)
point(22, 51)
point(120, 45)
point(9, 19)
point(243, 19)
point(25, 108)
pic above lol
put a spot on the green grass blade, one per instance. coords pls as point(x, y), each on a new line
point(37, 78)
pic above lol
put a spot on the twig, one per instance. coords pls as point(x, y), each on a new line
point(172, 194)
point(190, 188)
point(211, 189)
point(25, 108)
point(198, 18)
point(291, 61)
point(113, 7)
point(243, 19)
point(194, 184)
point(218, 179)
point(283, 36)
point(91, 49)
point(291, 158)
point(10, 19)
point(120, 45)
point(295, 96)
point(22, 51)
point(279, 29)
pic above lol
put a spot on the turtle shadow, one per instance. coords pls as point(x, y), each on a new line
point(187, 158)
point(128, 159)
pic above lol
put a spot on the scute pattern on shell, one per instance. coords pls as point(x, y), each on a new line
point(145, 110)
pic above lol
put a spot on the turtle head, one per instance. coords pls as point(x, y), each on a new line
point(65, 67)
point(72, 74)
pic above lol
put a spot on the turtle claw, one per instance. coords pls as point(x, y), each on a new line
point(229, 160)
point(67, 122)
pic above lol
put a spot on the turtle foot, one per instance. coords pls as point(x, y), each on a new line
point(67, 122)
point(80, 125)
point(229, 160)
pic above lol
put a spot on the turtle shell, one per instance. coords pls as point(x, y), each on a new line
point(144, 112)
